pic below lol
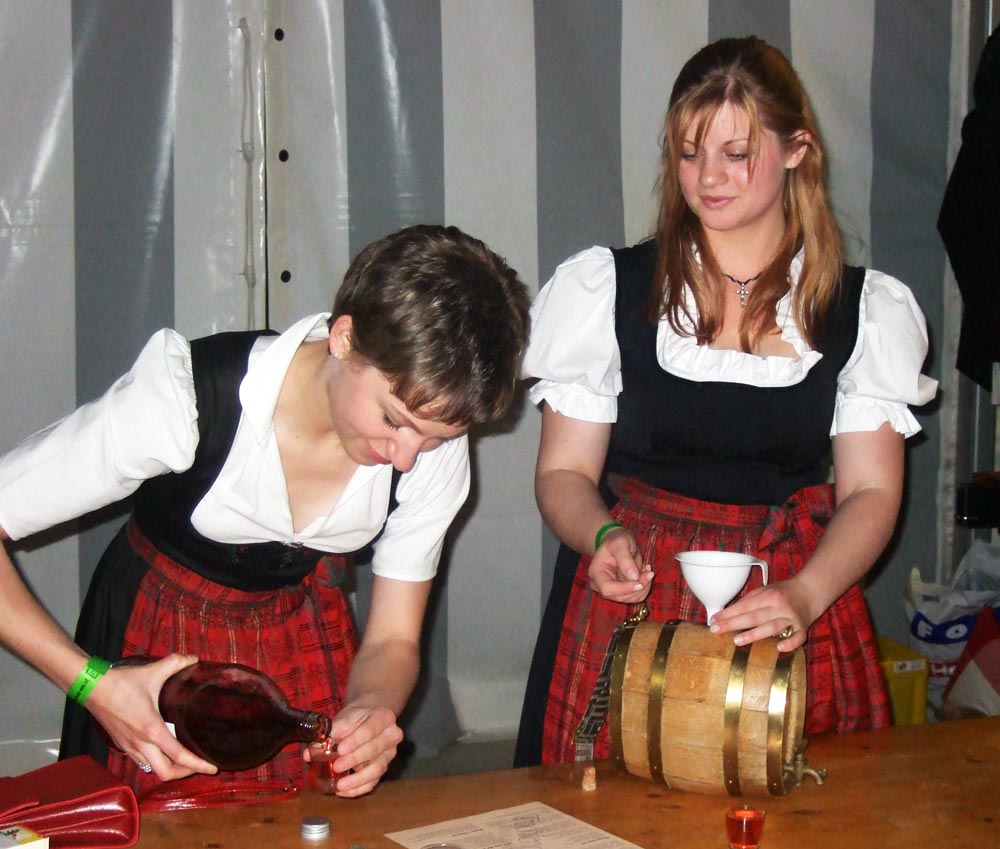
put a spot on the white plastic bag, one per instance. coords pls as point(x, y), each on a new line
point(941, 616)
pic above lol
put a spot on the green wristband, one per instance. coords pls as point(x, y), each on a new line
point(91, 673)
point(603, 531)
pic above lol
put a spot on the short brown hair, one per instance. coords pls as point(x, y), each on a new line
point(442, 317)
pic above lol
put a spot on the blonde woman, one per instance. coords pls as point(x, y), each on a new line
point(695, 389)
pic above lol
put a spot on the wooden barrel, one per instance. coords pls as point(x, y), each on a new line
point(694, 710)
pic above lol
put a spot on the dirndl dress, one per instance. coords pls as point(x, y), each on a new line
point(846, 690)
point(145, 603)
point(162, 587)
point(707, 465)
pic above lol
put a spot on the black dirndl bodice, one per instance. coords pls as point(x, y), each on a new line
point(730, 443)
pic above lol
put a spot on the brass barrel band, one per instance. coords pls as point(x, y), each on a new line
point(777, 720)
point(654, 710)
point(731, 731)
point(615, 696)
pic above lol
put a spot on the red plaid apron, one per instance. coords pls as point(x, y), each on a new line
point(302, 636)
point(846, 689)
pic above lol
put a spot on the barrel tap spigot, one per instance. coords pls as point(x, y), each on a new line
point(799, 768)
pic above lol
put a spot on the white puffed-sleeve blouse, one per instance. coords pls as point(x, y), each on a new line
point(146, 424)
point(574, 354)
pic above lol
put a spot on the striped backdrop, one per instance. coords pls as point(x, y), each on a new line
point(210, 165)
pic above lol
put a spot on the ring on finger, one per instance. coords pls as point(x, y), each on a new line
point(145, 767)
point(786, 633)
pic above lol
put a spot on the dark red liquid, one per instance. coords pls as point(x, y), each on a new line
point(237, 727)
point(322, 770)
point(744, 827)
point(232, 716)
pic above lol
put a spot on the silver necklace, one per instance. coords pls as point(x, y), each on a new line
point(741, 286)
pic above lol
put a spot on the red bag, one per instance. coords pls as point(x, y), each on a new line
point(198, 792)
point(76, 803)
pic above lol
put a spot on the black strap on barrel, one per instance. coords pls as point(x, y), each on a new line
point(597, 707)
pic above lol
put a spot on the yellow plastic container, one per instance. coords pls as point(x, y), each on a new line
point(906, 674)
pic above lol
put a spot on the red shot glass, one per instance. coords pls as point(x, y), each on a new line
point(744, 827)
point(321, 758)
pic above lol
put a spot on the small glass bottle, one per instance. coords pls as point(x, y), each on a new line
point(232, 715)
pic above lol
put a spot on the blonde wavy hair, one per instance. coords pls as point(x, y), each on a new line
point(753, 76)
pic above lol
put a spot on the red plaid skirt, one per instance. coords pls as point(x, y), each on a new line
point(846, 689)
point(302, 636)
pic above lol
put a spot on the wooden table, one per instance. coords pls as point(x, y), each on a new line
point(924, 786)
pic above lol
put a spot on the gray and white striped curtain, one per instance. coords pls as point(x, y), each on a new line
point(210, 165)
